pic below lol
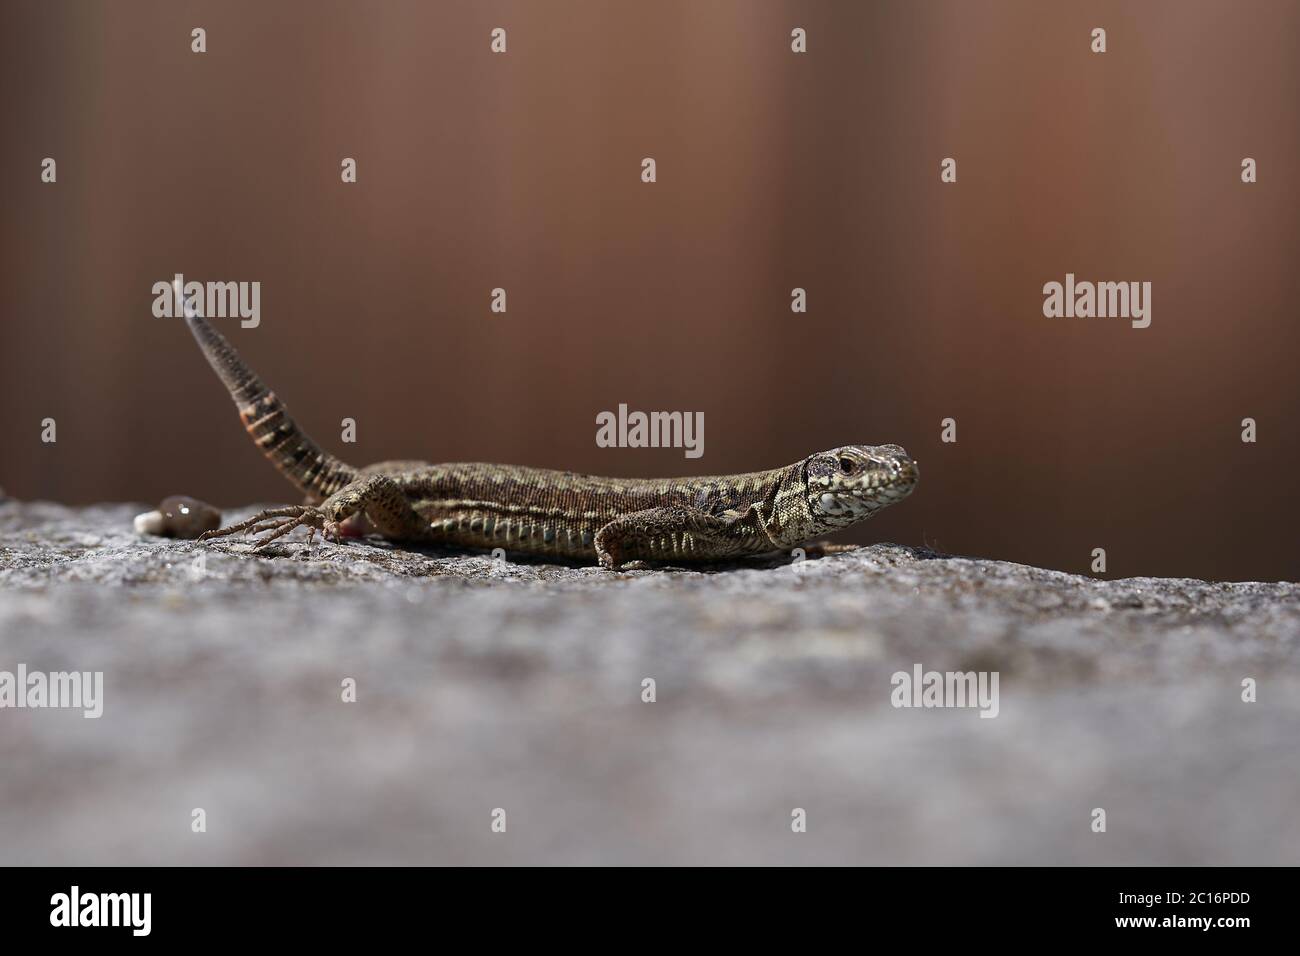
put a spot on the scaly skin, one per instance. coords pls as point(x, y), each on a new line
point(556, 513)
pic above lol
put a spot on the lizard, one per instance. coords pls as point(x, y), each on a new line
point(614, 521)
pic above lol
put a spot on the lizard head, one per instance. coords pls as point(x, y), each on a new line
point(846, 485)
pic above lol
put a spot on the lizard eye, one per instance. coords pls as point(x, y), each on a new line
point(846, 466)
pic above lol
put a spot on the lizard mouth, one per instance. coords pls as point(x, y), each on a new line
point(884, 482)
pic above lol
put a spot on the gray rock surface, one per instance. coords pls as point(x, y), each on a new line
point(486, 684)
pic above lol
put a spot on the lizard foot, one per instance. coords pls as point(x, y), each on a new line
point(279, 522)
point(608, 557)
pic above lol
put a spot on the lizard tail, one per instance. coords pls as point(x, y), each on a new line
point(316, 473)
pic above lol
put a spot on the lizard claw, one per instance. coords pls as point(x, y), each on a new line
point(273, 524)
point(311, 517)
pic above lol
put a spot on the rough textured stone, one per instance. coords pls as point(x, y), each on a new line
point(485, 684)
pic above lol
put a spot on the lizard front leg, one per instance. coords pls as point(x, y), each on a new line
point(678, 533)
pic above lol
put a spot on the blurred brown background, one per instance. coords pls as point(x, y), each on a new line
point(775, 170)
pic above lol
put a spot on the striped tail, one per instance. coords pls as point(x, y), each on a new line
point(316, 473)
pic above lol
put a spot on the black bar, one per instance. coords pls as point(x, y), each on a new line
point(365, 905)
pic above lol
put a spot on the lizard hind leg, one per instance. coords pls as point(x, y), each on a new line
point(277, 521)
point(378, 498)
point(382, 501)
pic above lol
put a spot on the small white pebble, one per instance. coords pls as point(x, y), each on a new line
point(179, 517)
point(151, 522)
